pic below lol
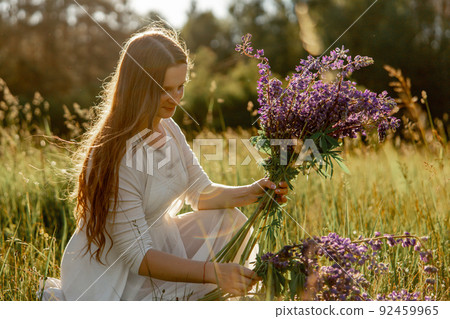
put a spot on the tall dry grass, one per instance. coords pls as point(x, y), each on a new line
point(392, 188)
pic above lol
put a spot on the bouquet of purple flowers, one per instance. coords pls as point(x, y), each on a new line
point(301, 123)
point(310, 108)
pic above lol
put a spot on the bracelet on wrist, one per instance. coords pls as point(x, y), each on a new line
point(204, 271)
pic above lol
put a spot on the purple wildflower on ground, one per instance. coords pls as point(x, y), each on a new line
point(402, 295)
point(343, 276)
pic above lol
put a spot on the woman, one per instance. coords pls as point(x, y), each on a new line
point(130, 244)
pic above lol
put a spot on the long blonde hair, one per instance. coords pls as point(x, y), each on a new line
point(129, 102)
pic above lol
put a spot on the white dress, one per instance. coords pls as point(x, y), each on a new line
point(149, 201)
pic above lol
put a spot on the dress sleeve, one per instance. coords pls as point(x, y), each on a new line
point(127, 227)
point(198, 179)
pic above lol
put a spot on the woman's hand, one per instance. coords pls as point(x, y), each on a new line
point(232, 278)
point(217, 196)
point(258, 188)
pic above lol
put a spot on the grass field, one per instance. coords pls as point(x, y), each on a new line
point(390, 190)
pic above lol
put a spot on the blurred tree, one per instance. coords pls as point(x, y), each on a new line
point(222, 96)
point(274, 27)
point(412, 35)
point(204, 29)
point(222, 82)
point(56, 47)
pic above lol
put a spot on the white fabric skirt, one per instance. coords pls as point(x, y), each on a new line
point(203, 233)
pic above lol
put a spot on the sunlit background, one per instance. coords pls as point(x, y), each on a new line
point(55, 55)
point(176, 11)
point(65, 49)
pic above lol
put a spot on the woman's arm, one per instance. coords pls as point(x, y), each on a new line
point(204, 194)
point(217, 196)
point(164, 266)
point(231, 277)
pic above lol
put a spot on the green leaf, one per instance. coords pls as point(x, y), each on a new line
point(323, 144)
point(332, 141)
point(343, 166)
point(315, 135)
point(293, 285)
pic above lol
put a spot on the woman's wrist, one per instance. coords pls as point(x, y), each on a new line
point(210, 273)
point(250, 192)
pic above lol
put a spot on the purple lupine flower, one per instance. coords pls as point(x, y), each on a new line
point(402, 295)
point(342, 279)
point(390, 240)
point(308, 104)
point(425, 256)
point(430, 269)
point(417, 246)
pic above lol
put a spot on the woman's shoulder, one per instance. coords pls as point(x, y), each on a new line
point(133, 166)
point(171, 124)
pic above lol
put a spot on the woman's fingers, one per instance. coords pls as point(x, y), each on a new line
point(235, 292)
point(244, 287)
point(239, 280)
point(247, 272)
point(255, 277)
point(249, 275)
point(282, 199)
point(280, 190)
point(266, 183)
point(283, 184)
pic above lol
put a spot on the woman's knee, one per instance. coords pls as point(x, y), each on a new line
point(235, 216)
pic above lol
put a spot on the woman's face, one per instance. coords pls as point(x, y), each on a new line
point(172, 94)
